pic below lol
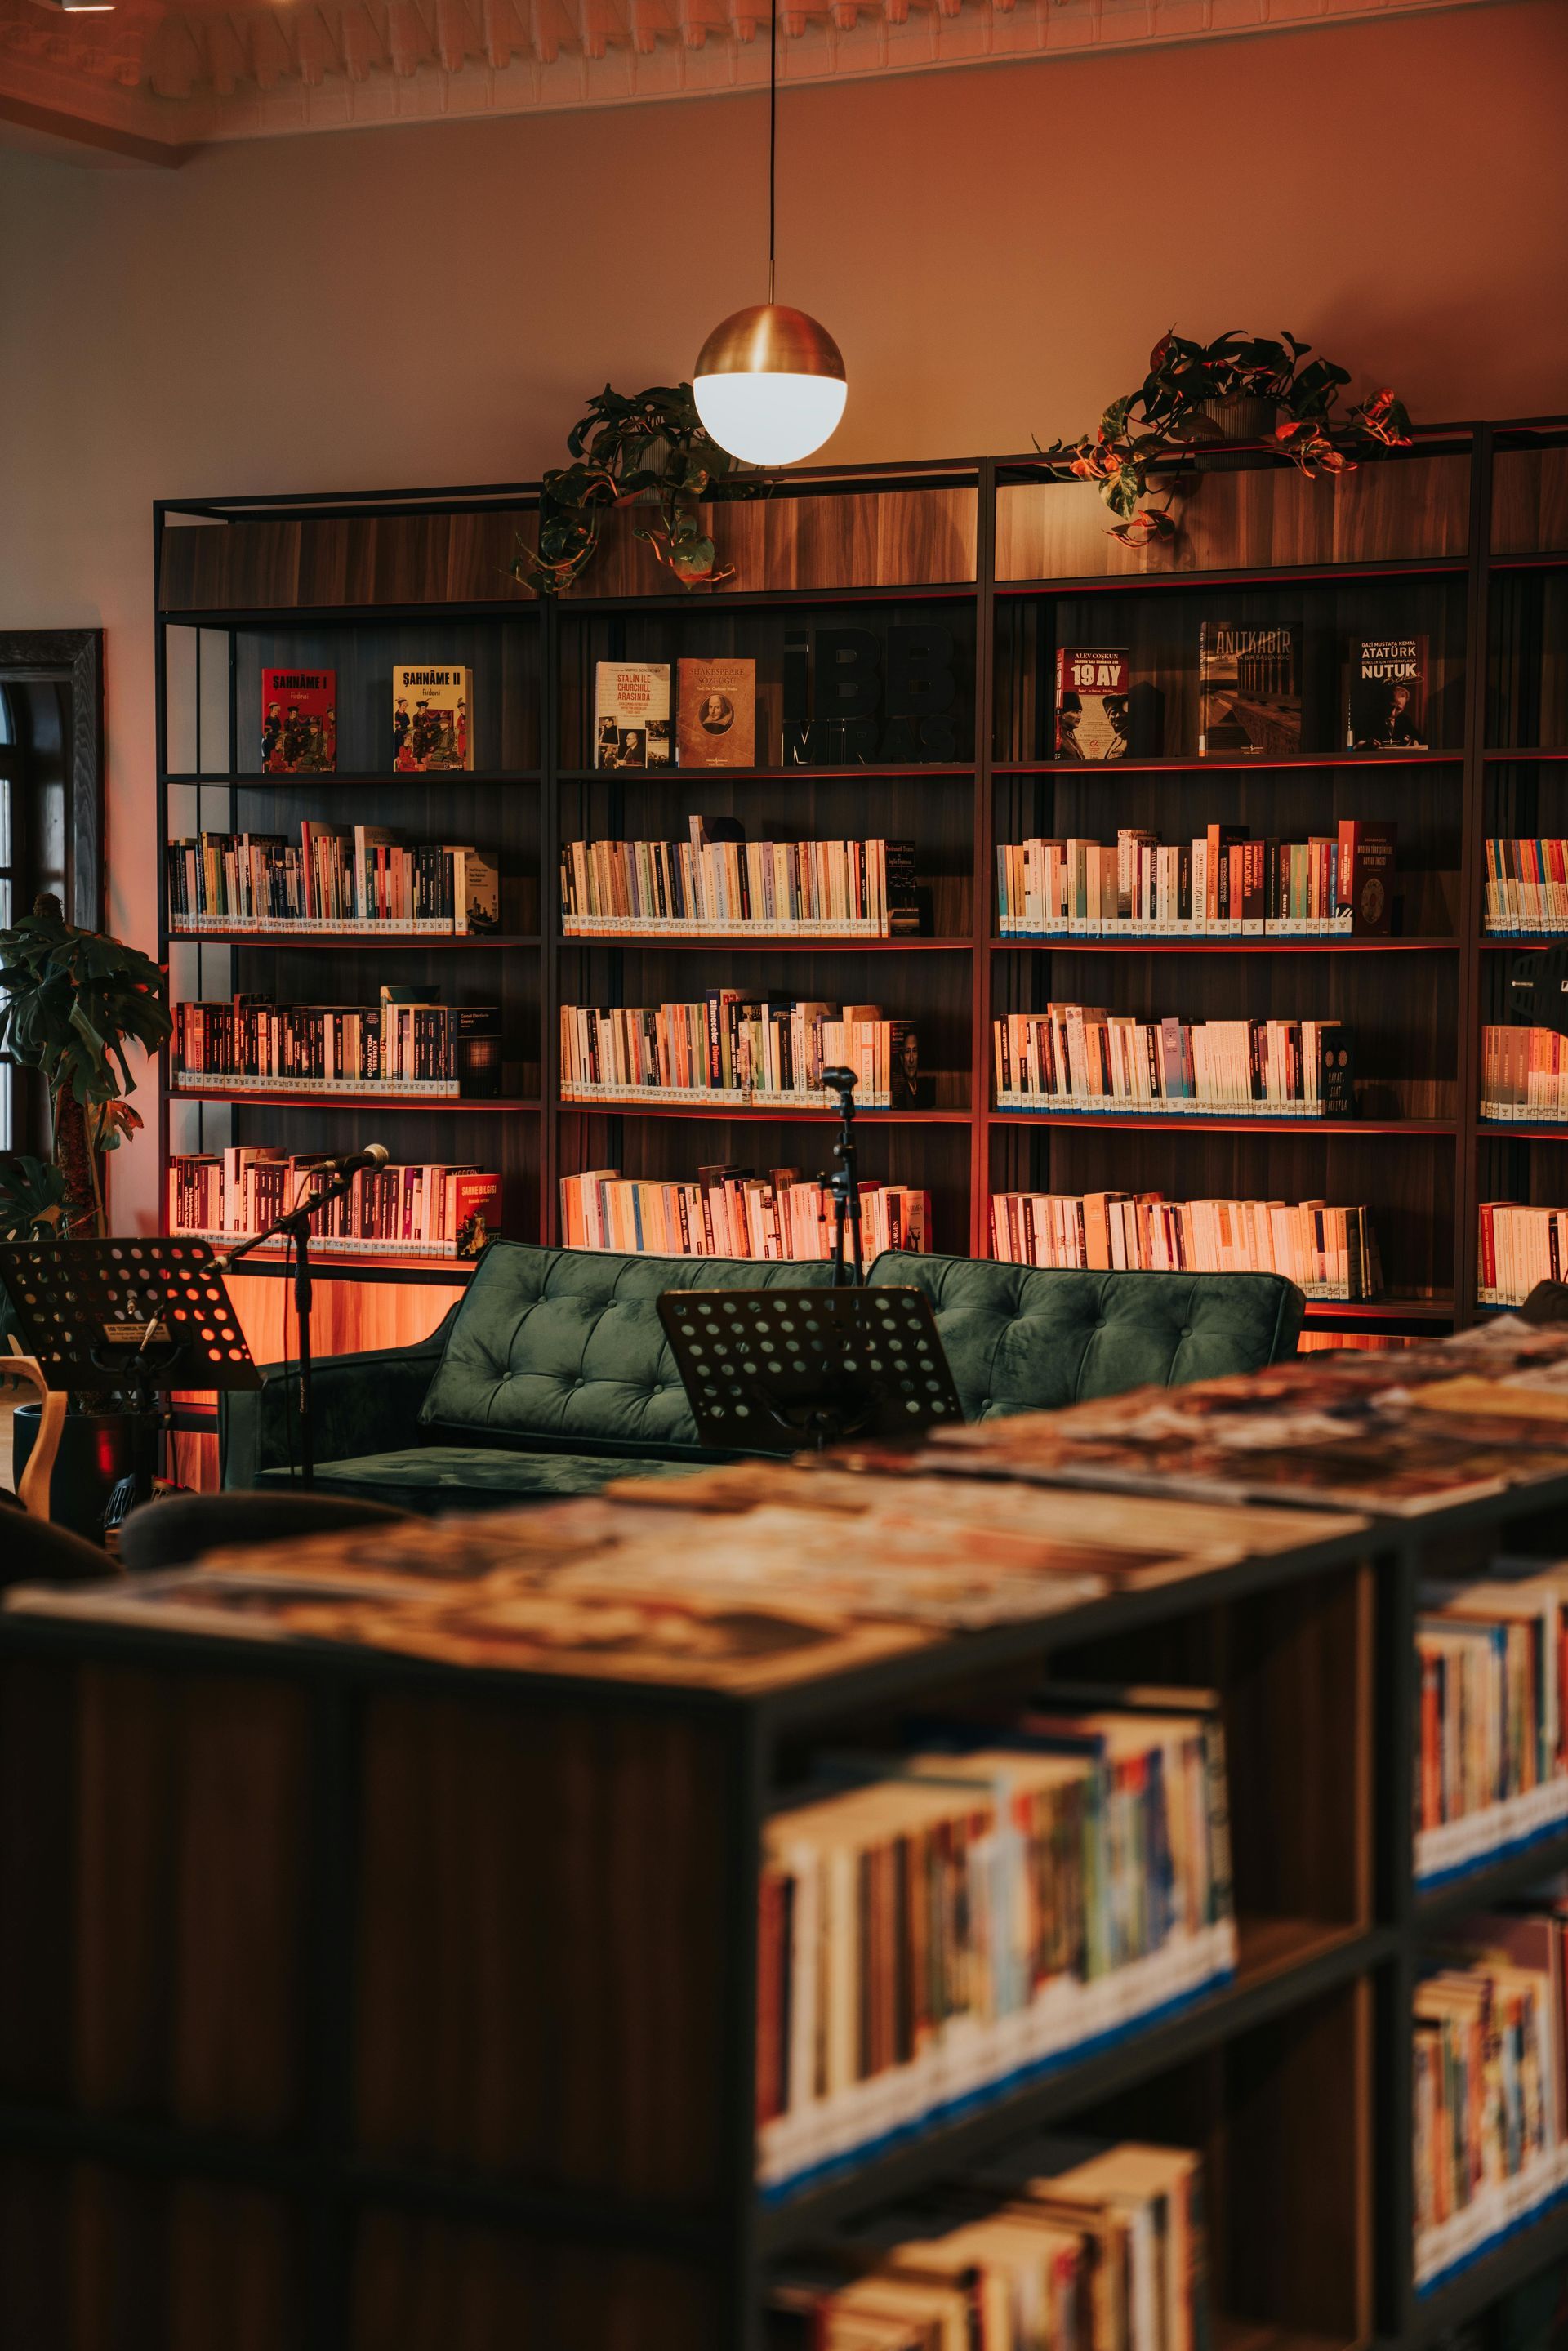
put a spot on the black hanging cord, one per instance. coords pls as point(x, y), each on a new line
point(772, 137)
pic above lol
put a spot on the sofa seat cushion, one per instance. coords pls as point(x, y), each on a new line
point(1022, 1340)
point(566, 1346)
point(432, 1478)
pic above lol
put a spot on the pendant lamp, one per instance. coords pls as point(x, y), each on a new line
point(769, 382)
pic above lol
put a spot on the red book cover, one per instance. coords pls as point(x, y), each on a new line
point(474, 1205)
point(299, 722)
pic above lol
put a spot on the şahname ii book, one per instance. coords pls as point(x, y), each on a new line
point(1092, 687)
point(298, 721)
point(1386, 695)
point(1250, 691)
point(715, 714)
point(631, 715)
point(432, 719)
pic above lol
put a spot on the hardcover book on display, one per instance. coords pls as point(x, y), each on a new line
point(299, 722)
point(631, 715)
point(1387, 694)
point(1250, 691)
point(1092, 690)
point(716, 719)
point(432, 719)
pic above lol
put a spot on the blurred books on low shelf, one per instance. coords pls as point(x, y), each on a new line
point(1518, 1246)
point(420, 1210)
point(1491, 1758)
point(419, 1046)
point(1080, 1058)
point(716, 881)
point(1490, 2085)
point(1220, 885)
point(732, 1212)
point(338, 879)
point(1059, 2242)
point(1000, 1900)
point(1329, 1253)
point(727, 1049)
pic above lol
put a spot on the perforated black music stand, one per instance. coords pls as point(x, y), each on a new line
point(131, 1315)
point(776, 1371)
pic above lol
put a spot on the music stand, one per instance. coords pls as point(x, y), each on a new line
point(773, 1371)
point(136, 1316)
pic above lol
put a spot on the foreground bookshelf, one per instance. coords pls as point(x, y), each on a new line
point(456, 1970)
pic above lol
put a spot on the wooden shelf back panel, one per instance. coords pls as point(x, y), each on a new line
point(1529, 501)
point(1412, 509)
point(430, 558)
point(794, 544)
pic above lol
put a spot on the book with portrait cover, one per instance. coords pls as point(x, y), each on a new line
point(631, 715)
point(1385, 695)
point(432, 719)
point(1092, 687)
point(715, 714)
point(298, 721)
point(1250, 691)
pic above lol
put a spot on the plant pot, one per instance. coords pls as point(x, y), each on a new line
point(97, 1450)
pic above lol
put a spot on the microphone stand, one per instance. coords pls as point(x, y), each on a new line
point(295, 1225)
point(844, 1183)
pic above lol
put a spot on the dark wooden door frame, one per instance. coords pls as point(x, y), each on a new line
point(72, 657)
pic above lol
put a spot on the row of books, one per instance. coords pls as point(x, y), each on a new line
point(1222, 884)
point(429, 711)
point(1249, 695)
point(1081, 1057)
point(731, 1212)
point(422, 1210)
point(1328, 1252)
point(443, 1051)
point(1059, 2244)
point(999, 1901)
point(335, 879)
point(1518, 1246)
point(725, 1047)
point(717, 882)
point(1492, 1769)
point(1490, 2082)
point(1526, 887)
point(1524, 1074)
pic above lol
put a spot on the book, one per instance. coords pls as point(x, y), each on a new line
point(631, 715)
point(1328, 1252)
point(476, 888)
point(298, 721)
point(420, 1210)
point(717, 883)
point(1249, 695)
point(1073, 1058)
point(432, 718)
point(1092, 701)
point(733, 1212)
point(1385, 695)
point(715, 720)
point(1364, 875)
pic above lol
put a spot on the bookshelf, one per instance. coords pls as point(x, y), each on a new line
point(1463, 537)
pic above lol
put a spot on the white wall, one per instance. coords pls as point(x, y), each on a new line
point(995, 249)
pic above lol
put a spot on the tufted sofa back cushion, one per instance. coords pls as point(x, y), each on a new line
point(1023, 1341)
point(565, 1347)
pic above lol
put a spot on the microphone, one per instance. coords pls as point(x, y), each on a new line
point(374, 1154)
point(839, 1081)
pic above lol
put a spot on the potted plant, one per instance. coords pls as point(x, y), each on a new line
point(648, 450)
point(1257, 388)
point(72, 1001)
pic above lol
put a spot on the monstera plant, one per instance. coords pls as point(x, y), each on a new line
point(645, 450)
point(1257, 388)
point(70, 1003)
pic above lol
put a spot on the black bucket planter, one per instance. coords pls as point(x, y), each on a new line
point(97, 1450)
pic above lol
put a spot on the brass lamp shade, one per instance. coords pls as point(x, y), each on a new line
point(769, 384)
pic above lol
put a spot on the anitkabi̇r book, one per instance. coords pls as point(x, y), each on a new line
point(1091, 702)
point(432, 719)
point(1387, 694)
point(715, 722)
point(1250, 691)
point(298, 721)
point(631, 715)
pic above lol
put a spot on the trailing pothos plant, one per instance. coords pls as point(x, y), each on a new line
point(647, 450)
point(1141, 436)
point(71, 1002)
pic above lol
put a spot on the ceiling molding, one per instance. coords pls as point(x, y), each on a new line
point(167, 76)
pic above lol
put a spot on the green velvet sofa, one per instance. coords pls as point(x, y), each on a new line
point(551, 1374)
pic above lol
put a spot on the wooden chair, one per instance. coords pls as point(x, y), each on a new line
point(17, 1370)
